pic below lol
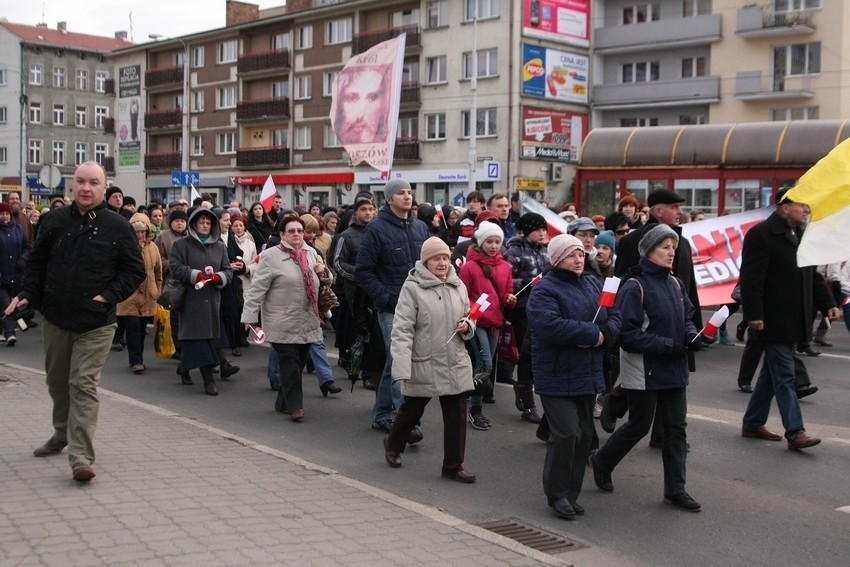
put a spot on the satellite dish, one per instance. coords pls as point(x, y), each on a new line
point(50, 176)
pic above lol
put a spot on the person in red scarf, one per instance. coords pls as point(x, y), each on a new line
point(485, 271)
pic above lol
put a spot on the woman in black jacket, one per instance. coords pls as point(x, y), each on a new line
point(260, 226)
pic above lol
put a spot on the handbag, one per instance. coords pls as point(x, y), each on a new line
point(508, 347)
point(172, 296)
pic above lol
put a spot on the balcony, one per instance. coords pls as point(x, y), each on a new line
point(665, 33)
point(407, 149)
point(261, 158)
point(262, 109)
point(699, 90)
point(168, 161)
point(108, 164)
point(365, 40)
point(759, 22)
point(109, 86)
point(169, 118)
point(277, 59)
point(753, 86)
point(164, 77)
point(108, 125)
point(410, 92)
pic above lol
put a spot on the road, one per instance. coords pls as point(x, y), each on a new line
point(762, 504)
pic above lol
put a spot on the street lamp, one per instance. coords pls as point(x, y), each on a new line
point(184, 110)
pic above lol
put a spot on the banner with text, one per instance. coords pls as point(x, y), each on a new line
point(552, 134)
point(127, 118)
point(567, 21)
point(555, 75)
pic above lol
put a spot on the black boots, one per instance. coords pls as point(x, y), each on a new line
point(209, 381)
point(524, 392)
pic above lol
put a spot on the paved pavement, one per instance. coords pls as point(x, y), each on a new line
point(173, 491)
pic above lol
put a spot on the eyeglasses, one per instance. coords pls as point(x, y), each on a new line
point(622, 232)
point(294, 231)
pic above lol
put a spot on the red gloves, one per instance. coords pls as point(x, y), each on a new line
point(215, 279)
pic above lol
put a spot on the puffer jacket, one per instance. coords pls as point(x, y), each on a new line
point(562, 307)
point(426, 362)
point(656, 314)
point(497, 287)
point(143, 302)
point(345, 256)
point(527, 261)
point(14, 253)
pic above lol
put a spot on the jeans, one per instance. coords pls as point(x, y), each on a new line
point(487, 340)
point(318, 355)
point(135, 329)
point(776, 379)
point(388, 396)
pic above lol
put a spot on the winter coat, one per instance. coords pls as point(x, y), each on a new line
point(656, 314)
point(322, 244)
point(199, 318)
point(261, 231)
point(278, 296)
point(77, 257)
point(165, 241)
point(424, 360)
point(249, 253)
point(527, 261)
point(345, 256)
point(774, 289)
point(498, 286)
point(389, 250)
point(143, 302)
point(562, 307)
point(231, 296)
point(14, 253)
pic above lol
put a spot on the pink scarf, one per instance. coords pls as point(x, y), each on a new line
point(300, 257)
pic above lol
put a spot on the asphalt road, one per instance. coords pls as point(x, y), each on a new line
point(762, 504)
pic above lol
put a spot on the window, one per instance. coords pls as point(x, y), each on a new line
point(280, 137)
point(3, 79)
point(177, 144)
point(692, 8)
point(488, 63)
point(81, 116)
point(408, 128)
point(435, 126)
point(303, 87)
point(81, 80)
point(303, 135)
point(799, 113)
point(197, 145)
point(637, 122)
point(280, 89)
point(304, 37)
point(81, 152)
point(480, 8)
point(58, 114)
point(35, 74)
point(3, 154)
point(34, 153)
point(227, 51)
point(280, 41)
point(198, 56)
point(101, 113)
point(794, 5)
point(640, 13)
point(685, 119)
point(328, 78)
point(410, 72)
point(227, 97)
point(101, 152)
point(100, 78)
point(35, 112)
point(226, 143)
point(436, 69)
point(437, 13)
point(485, 124)
point(640, 72)
point(338, 31)
point(58, 153)
point(796, 59)
point(177, 59)
point(404, 18)
point(331, 141)
point(693, 67)
point(197, 101)
point(4, 115)
point(59, 81)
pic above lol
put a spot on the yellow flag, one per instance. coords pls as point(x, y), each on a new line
point(826, 186)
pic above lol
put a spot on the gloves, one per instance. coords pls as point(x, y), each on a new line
point(202, 277)
point(693, 345)
point(215, 279)
point(678, 350)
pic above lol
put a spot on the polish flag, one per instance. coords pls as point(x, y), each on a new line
point(716, 320)
point(609, 292)
point(479, 307)
point(537, 279)
point(268, 194)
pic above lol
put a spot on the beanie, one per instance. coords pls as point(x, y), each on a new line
point(487, 230)
point(485, 215)
point(362, 199)
point(178, 214)
point(562, 246)
point(5, 207)
point(433, 247)
point(529, 222)
point(393, 186)
point(606, 238)
point(653, 237)
point(129, 200)
point(310, 223)
point(113, 190)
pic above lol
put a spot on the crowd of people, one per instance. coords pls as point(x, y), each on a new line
point(425, 301)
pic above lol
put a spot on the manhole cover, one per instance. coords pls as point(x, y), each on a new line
point(532, 537)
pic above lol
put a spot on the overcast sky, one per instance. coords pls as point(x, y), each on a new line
point(105, 17)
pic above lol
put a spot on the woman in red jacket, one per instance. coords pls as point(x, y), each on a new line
point(485, 271)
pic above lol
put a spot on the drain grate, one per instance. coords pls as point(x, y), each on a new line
point(532, 537)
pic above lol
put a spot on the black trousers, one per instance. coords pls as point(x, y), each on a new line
point(291, 360)
point(454, 427)
point(570, 432)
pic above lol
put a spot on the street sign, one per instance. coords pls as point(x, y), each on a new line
point(185, 178)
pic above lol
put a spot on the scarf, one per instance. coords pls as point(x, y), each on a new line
point(301, 258)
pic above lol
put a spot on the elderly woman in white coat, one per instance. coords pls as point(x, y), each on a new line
point(429, 357)
point(285, 293)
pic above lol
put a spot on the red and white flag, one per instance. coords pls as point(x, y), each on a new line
point(715, 321)
point(476, 309)
point(536, 280)
point(268, 194)
point(609, 292)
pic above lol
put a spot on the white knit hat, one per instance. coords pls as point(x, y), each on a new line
point(562, 246)
point(486, 230)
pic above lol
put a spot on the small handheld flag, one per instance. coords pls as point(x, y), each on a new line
point(208, 271)
point(268, 194)
point(608, 295)
point(532, 283)
point(480, 306)
point(714, 323)
point(259, 334)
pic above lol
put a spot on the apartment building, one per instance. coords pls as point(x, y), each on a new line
point(56, 104)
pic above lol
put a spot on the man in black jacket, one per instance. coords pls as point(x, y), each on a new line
point(85, 261)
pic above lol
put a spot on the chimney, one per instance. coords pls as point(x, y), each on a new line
point(62, 26)
point(41, 25)
point(240, 12)
point(121, 35)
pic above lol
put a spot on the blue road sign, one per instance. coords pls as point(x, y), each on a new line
point(185, 178)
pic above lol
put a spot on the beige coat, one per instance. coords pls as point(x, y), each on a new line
point(427, 313)
point(143, 302)
point(277, 293)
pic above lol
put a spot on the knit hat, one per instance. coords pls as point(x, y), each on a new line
point(5, 207)
point(363, 198)
point(487, 230)
point(433, 247)
point(653, 237)
point(606, 238)
point(529, 222)
point(393, 186)
point(177, 215)
point(582, 223)
point(562, 246)
point(310, 223)
point(484, 216)
point(113, 190)
point(129, 200)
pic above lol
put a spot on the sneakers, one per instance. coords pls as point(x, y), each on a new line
point(725, 339)
point(138, 368)
point(683, 501)
point(52, 447)
point(531, 416)
point(477, 419)
point(11, 340)
point(385, 425)
point(597, 407)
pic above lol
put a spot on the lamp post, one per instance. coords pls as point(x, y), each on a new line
point(473, 111)
point(184, 110)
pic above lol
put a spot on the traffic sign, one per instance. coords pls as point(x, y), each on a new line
point(185, 178)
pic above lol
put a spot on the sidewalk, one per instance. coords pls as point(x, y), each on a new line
point(172, 491)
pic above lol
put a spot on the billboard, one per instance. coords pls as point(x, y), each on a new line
point(127, 118)
point(551, 134)
point(566, 21)
point(554, 75)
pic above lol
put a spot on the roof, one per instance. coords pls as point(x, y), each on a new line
point(70, 40)
point(748, 144)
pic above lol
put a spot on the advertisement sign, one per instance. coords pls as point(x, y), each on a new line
point(552, 134)
point(127, 118)
point(566, 21)
point(554, 75)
